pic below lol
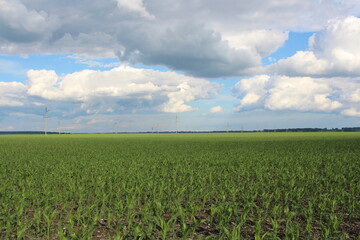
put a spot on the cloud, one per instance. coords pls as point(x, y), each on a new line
point(303, 63)
point(20, 24)
point(93, 63)
point(190, 48)
point(251, 91)
point(12, 94)
point(304, 94)
point(85, 45)
point(216, 109)
point(301, 94)
point(333, 52)
point(355, 96)
point(325, 78)
point(262, 42)
point(203, 38)
point(351, 112)
point(121, 89)
point(42, 83)
point(135, 6)
point(304, 15)
point(200, 38)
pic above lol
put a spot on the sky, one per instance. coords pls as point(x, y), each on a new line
point(167, 65)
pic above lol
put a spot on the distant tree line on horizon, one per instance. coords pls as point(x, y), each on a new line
point(344, 129)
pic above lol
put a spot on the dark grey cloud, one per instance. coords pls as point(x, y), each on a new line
point(187, 47)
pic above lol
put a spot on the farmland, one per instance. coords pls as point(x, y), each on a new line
point(180, 186)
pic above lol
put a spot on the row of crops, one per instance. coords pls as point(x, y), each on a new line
point(180, 186)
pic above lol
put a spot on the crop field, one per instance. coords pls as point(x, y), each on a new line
point(180, 186)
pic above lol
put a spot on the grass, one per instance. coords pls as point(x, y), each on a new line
point(180, 186)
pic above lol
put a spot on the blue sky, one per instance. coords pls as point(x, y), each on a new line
point(135, 65)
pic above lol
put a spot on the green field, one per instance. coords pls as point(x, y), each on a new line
point(180, 186)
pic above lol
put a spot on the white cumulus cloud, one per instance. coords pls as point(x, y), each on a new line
point(251, 91)
point(334, 51)
point(304, 94)
point(122, 88)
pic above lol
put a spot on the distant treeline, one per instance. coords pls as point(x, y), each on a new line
point(345, 129)
point(28, 132)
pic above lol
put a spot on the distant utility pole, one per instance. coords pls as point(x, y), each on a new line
point(227, 127)
point(46, 117)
